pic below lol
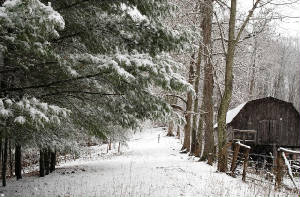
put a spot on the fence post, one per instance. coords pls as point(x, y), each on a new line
point(279, 169)
point(119, 147)
point(158, 138)
point(224, 152)
point(274, 154)
point(246, 158)
point(264, 162)
point(234, 158)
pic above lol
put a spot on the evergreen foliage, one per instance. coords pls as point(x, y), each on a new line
point(94, 62)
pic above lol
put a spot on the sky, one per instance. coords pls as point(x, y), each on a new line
point(291, 26)
point(286, 26)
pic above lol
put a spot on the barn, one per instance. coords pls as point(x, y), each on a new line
point(265, 124)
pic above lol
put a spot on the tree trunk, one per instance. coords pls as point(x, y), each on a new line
point(10, 159)
point(252, 80)
point(226, 98)
point(47, 160)
point(195, 143)
point(207, 102)
point(279, 80)
point(170, 128)
point(200, 134)
point(52, 161)
point(178, 132)
point(4, 162)
point(292, 92)
point(199, 138)
point(1, 158)
point(18, 161)
point(42, 162)
point(109, 144)
point(189, 106)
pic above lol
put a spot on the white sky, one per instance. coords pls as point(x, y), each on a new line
point(291, 26)
point(286, 27)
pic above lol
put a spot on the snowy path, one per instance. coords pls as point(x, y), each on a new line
point(148, 168)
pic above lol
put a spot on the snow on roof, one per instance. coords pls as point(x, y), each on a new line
point(232, 113)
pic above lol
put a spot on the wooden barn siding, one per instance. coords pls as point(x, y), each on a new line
point(266, 113)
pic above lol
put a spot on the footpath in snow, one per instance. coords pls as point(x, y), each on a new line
point(147, 168)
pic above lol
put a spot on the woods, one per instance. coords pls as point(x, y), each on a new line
point(230, 64)
point(73, 70)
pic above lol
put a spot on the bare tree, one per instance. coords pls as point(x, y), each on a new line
point(195, 148)
point(189, 106)
point(226, 97)
point(207, 102)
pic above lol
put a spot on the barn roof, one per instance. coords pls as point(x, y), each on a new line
point(231, 114)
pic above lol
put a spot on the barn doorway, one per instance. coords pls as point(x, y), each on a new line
point(269, 132)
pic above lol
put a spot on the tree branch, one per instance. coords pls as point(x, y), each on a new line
point(246, 21)
point(80, 92)
point(173, 95)
point(221, 33)
point(52, 83)
point(72, 5)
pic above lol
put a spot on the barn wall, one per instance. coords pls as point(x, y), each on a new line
point(276, 122)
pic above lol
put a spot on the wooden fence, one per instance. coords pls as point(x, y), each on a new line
point(281, 162)
point(245, 157)
point(267, 166)
point(263, 168)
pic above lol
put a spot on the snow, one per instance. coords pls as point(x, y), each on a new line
point(288, 151)
point(5, 113)
point(231, 114)
point(2, 13)
point(287, 163)
point(55, 119)
point(146, 168)
point(11, 3)
point(9, 102)
point(43, 106)
point(243, 145)
point(56, 17)
point(72, 72)
point(20, 120)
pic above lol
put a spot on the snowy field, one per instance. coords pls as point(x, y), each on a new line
point(146, 168)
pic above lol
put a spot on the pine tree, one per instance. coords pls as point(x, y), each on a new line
point(84, 66)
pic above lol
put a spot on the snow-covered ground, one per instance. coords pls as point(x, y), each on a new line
point(146, 168)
